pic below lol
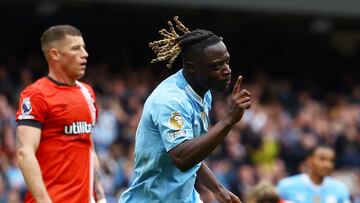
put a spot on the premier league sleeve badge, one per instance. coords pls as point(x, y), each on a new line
point(26, 109)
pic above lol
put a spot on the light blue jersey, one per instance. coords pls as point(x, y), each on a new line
point(172, 114)
point(300, 189)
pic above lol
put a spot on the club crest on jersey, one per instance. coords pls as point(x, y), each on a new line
point(176, 121)
point(330, 199)
point(78, 127)
point(26, 109)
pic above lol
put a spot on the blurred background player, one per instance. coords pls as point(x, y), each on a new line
point(315, 186)
point(263, 192)
point(55, 119)
point(172, 138)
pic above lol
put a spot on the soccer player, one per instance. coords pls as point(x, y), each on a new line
point(172, 138)
point(55, 118)
point(263, 192)
point(315, 186)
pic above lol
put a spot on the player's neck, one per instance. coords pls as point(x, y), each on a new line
point(317, 180)
point(62, 78)
point(192, 82)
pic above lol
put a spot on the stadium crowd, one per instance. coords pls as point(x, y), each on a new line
point(270, 142)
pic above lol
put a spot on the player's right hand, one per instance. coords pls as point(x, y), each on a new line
point(239, 102)
point(225, 196)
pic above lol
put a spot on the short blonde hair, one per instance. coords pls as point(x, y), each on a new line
point(263, 192)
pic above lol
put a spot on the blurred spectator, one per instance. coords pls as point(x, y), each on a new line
point(269, 144)
point(305, 88)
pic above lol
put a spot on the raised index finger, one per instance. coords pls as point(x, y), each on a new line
point(237, 85)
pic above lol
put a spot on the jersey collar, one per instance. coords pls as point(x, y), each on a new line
point(57, 82)
point(306, 178)
point(194, 95)
point(191, 91)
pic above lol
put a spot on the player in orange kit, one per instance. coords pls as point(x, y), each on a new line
point(55, 119)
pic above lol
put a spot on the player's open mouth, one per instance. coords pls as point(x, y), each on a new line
point(227, 80)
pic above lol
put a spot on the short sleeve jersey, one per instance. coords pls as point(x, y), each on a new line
point(66, 115)
point(300, 189)
point(172, 114)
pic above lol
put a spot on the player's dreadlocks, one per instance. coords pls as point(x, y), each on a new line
point(173, 44)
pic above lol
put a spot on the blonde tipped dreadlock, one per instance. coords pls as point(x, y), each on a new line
point(169, 47)
point(188, 43)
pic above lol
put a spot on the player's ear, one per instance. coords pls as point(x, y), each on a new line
point(54, 54)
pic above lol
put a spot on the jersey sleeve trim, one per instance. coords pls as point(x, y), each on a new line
point(32, 123)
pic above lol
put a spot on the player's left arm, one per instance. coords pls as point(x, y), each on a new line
point(208, 179)
point(98, 188)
